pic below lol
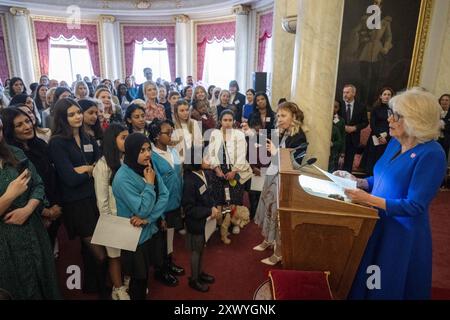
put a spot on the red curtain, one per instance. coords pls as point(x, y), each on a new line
point(44, 30)
point(265, 32)
point(4, 71)
point(209, 33)
point(131, 34)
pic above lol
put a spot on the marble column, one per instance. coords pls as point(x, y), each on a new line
point(23, 55)
point(241, 44)
point(283, 43)
point(111, 56)
point(182, 41)
point(314, 75)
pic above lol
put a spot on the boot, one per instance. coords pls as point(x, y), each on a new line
point(172, 267)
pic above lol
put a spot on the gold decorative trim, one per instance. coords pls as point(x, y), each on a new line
point(122, 42)
point(34, 18)
point(19, 11)
point(420, 42)
point(181, 18)
point(241, 9)
point(107, 18)
point(7, 46)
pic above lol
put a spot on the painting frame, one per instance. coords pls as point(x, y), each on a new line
point(409, 49)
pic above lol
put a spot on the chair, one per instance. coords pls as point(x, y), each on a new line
point(294, 285)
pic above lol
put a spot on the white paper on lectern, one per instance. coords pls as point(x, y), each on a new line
point(319, 187)
point(116, 232)
point(210, 227)
point(342, 182)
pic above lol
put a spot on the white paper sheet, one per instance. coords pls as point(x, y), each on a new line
point(116, 232)
point(257, 183)
point(342, 182)
point(210, 227)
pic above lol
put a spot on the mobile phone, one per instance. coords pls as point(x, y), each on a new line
point(23, 164)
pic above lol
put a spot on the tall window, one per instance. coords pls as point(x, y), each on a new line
point(151, 54)
point(69, 57)
point(268, 55)
point(219, 63)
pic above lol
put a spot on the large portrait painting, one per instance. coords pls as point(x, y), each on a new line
point(383, 47)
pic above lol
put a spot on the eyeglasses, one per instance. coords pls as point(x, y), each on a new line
point(169, 133)
point(395, 115)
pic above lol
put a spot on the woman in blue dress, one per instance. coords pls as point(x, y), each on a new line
point(405, 181)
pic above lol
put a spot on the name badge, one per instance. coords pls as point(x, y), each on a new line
point(227, 194)
point(268, 119)
point(204, 117)
point(202, 189)
point(236, 102)
point(335, 120)
point(88, 148)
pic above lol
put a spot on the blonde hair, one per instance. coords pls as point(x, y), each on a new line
point(297, 116)
point(222, 92)
point(139, 102)
point(79, 84)
point(148, 84)
point(421, 113)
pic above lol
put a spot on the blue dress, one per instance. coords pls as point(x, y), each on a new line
point(401, 241)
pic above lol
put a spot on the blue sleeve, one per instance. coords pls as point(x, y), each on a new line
point(64, 166)
point(161, 202)
point(422, 188)
point(140, 203)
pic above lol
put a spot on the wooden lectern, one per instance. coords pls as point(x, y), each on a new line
point(319, 233)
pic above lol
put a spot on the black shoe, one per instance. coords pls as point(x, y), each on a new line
point(175, 270)
point(197, 285)
point(166, 278)
point(206, 278)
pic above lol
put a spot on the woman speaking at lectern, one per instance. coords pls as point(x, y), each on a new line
point(405, 181)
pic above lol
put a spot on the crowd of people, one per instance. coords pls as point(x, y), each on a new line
point(69, 154)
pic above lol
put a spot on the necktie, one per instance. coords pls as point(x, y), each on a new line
point(349, 116)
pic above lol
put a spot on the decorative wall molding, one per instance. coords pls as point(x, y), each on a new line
point(18, 11)
point(289, 24)
point(181, 18)
point(241, 10)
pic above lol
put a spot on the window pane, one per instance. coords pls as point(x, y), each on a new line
point(69, 57)
point(151, 54)
point(219, 63)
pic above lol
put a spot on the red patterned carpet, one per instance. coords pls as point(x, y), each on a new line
point(238, 269)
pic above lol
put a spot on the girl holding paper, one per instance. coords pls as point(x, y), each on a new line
point(142, 197)
point(104, 172)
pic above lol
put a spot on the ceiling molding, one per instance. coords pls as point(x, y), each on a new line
point(223, 8)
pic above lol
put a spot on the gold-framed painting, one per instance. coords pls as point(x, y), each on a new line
point(387, 52)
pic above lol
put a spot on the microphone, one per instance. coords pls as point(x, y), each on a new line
point(304, 145)
point(300, 155)
point(308, 163)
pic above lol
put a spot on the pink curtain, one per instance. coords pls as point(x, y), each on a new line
point(265, 32)
point(209, 33)
point(4, 71)
point(131, 34)
point(44, 30)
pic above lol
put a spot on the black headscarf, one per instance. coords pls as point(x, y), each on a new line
point(133, 145)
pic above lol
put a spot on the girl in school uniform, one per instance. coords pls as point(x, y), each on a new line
point(135, 119)
point(142, 197)
point(74, 154)
point(198, 204)
point(104, 172)
point(168, 165)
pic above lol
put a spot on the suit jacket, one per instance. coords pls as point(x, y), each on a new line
point(239, 102)
point(359, 119)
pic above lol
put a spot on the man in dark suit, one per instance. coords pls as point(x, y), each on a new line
point(237, 99)
point(355, 116)
point(148, 74)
